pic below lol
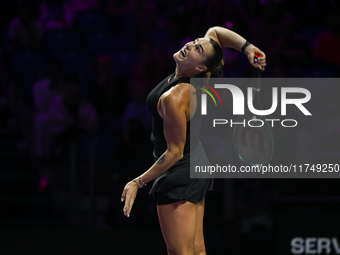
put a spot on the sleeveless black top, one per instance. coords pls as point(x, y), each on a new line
point(193, 125)
point(175, 184)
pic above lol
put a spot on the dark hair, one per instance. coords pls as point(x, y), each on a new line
point(215, 62)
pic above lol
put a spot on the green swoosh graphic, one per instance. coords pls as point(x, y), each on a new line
point(210, 95)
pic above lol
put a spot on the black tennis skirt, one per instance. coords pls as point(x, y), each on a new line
point(176, 185)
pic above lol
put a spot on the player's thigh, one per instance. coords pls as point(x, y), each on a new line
point(199, 244)
point(178, 224)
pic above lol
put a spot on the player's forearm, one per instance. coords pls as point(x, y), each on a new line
point(166, 161)
point(228, 38)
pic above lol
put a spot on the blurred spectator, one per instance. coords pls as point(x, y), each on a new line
point(71, 7)
point(67, 117)
point(24, 31)
point(303, 11)
point(106, 93)
point(146, 20)
point(263, 25)
point(228, 15)
point(51, 15)
point(43, 92)
point(149, 58)
point(174, 35)
point(250, 12)
point(289, 50)
point(136, 108)
point(326, 46)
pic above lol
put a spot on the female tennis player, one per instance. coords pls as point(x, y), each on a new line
point(173, 103)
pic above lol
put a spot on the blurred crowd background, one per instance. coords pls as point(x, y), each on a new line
point(74, 76)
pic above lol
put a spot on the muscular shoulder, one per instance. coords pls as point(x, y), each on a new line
point(182, 93)
point(177, 98)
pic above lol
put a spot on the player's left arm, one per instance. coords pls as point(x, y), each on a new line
point(230, 39)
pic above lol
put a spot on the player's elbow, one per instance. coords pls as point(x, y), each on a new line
point(177, 154)
point(180, 155)
point(214, 29)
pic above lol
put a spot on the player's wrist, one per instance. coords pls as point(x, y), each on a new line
point(245, 46)
point(139, 182)
point(249, 51)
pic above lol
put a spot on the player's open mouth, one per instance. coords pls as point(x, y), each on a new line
point(183, 53)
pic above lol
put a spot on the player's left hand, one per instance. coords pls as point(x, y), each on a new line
point(129, 196)
point(252, 51)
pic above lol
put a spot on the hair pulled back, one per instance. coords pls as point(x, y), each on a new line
point(214, 63)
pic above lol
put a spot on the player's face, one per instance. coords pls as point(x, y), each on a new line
point(192, 56)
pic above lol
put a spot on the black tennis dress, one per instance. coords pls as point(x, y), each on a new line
point(175, 184)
